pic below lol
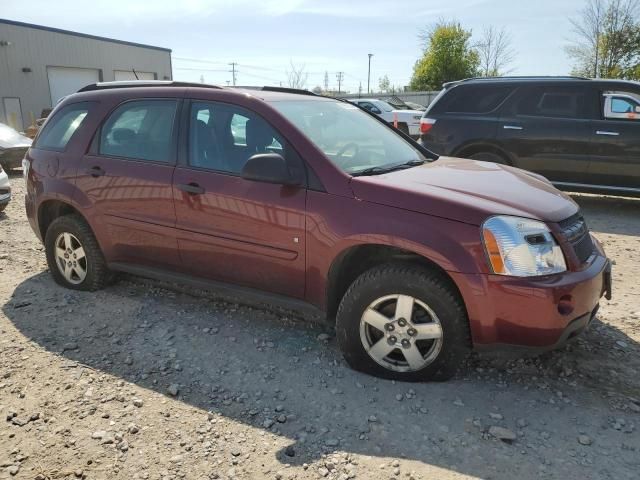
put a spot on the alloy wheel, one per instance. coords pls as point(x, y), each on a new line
point(401, 333)
point(71, 258)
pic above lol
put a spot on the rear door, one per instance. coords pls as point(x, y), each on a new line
point(127, 176)
point(546, 129)
point(616, 141)
point(231, 229)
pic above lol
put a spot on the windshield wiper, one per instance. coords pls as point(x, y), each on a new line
point(378, 170)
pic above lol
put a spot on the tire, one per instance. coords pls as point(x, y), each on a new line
point(488, 157)
point(403, 128)
point(441, 356)
point(3, 206)
point(72, 231)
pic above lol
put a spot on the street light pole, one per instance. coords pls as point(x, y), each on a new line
point(369, 74)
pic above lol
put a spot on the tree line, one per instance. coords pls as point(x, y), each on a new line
point(606, 44)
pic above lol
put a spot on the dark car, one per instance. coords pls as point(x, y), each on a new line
point(310, 202)
point(581, 134)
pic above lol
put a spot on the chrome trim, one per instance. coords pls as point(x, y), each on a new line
point(610, 134)
point(599, 187)
point(512, 127)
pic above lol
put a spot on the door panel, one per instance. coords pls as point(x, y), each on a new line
point(547, 131)
point(240, 231)
point(134, 202)
point(615, 157)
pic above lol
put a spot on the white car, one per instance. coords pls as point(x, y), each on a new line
point(5, 189)
point(408, 120)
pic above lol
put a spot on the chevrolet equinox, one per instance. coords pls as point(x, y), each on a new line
point(312, 202)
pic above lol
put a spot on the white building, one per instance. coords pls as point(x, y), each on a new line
point(40, 65)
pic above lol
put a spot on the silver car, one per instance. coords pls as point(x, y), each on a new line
point(5, 189)
point(13, 146)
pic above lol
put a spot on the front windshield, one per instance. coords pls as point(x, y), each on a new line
point(351, 138)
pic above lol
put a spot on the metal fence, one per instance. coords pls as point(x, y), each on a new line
point(422, 98)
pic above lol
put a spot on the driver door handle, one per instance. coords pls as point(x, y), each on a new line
point(190, 188)
point(96, 171)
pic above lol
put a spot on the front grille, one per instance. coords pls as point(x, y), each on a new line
point(576, 232)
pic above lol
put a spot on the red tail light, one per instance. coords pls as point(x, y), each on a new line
point(426, 124)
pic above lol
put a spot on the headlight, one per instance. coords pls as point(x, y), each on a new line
point(521, 247)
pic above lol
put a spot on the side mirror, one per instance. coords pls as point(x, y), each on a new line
point(268, 168)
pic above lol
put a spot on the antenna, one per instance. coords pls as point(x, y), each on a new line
point(134, 72)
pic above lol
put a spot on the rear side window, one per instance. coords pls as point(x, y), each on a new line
point(61, 127)
point(140, 130)
point(475, 98)
point(560, 102)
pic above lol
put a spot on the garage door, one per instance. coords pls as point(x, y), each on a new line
point(123, 75)
point(64, 81)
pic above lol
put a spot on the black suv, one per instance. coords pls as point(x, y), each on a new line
point(582, 134)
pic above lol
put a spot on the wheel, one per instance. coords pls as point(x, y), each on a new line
point(3, 206)
point(403, 322)
point(73, 255)
point(488, 157)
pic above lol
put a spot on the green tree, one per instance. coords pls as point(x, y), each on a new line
point(448, 56)
point(607, 40)
point(384, 84)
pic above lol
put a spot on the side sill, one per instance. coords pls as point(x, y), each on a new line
point(225, 291)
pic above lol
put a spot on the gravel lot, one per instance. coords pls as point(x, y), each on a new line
point(147, 381)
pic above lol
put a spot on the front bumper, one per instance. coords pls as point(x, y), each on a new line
point(540, 312)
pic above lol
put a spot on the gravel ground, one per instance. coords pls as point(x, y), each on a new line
point(145, 381)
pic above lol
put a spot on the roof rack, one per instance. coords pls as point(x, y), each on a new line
point(297, 91)
point(523, 77)
point(142, 83)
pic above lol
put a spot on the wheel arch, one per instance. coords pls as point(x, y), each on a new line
point(50, 209)
point(468, 149)
point(353, 261)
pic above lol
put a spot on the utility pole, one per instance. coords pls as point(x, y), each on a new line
point(360, 90)
point(369, 74)
point(326, 81)
point(339, 77)
point(233, 72)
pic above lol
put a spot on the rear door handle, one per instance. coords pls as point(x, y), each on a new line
point(513, 127)
point(191, 188)
point(96, 171)
point(610, 134)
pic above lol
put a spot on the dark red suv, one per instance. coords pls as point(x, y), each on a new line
point(295, 198)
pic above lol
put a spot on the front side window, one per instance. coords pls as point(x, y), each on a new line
point(223, 137)
point(558, 102)
point(140, 130)
point(352, 139)
point(61, 127)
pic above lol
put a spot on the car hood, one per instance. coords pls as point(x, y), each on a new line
point(9, 138)
point(467, 191)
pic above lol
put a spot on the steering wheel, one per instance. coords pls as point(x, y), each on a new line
point(346, 148)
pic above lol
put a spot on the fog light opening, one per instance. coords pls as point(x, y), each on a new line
point(565, 305)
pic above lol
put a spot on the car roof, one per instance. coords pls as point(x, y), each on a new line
point(541, 80)
point(266, 93)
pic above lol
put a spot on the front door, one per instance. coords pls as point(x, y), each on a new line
point(127, 177)
point(231, 229)
point(546, 129)
point(615, 160)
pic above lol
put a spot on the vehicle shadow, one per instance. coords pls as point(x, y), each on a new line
point(252, 366)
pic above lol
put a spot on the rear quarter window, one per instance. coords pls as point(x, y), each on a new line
point(474, 99)
point(59, 130)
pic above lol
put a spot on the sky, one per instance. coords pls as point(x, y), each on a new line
point(265, 37)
